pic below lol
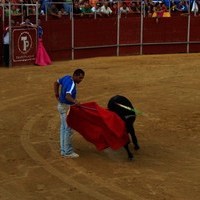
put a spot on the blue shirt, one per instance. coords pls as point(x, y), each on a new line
point(67, 87)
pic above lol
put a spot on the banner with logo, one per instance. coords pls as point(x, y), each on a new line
point(24, 44)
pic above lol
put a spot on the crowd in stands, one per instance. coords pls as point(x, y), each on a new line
point(59, 8)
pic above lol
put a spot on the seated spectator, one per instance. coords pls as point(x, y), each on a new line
point(32, 10)
point(6, 11)
point(135, 7)
point(14, 11)
point(149, 9)
point(68, 4)
point(124, 9)
point(53, 11)
point(114, 8)
point(23, 8)
point(97, 9)
point(166, 13)
point(105, 9)
point(76, 9)
point(163, 7)
point(6, 43)
point(158, 12)
point(93, 3)
point(86, 8)
point(173, 6)
point(195, 7)
point(63, 12)
point(44, 6)
point(182, 6)
point(27, 23)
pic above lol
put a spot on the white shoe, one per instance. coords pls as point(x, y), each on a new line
point(72, 155)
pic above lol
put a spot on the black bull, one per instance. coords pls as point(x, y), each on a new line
point(128, 116)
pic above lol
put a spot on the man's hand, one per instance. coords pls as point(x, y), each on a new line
point(76, 102)
point(57, 96)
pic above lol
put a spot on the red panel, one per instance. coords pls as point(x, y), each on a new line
point(98, 52)
point(164, 49)
point(195, 29)
point(95, 32)
point(166, 30)
point(57, 34)
point(129, 50)
point(195, 34)
point(129, 29)
point(57, 38)
point(60, 55)
point(194, 48)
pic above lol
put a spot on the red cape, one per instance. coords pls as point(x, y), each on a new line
point(98, 125)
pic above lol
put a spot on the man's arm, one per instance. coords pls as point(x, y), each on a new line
point(56, 89)
point(71, 99)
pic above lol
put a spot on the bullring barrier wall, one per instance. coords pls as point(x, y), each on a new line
point(84, 37)
point(110, 36)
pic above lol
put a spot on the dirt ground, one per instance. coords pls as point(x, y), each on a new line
point(166, 88)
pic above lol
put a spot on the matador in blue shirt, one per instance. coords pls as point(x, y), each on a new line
point(66, 96)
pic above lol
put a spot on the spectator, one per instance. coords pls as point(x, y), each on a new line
point(44, 6)
point(32, 9)
point(14, 10)
point(23, 8)
point(27, 23)
point(114, 8)
point(63, 12)
point(105, 9)
point(124, 9)
point(195, 7)
point(135, 8)
point(158, 12)
point(93, 3)
point(68, 4)
point(163, 7)
point(86, 9)
point(149, 9)
point(6, 44)
point(182, 7)
point(76, 9)
point(53, 11)
point(97, 9)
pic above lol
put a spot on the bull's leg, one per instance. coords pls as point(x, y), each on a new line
point(134, 138)
point(130, 155)
point(131, 130)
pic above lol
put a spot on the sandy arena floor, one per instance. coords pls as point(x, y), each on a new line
point(167, 167)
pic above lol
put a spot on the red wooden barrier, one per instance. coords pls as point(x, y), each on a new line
point(98, 37)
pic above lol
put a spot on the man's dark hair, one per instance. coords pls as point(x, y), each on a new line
point(78, 72)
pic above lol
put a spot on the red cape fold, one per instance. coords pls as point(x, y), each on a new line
point(98, 125)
